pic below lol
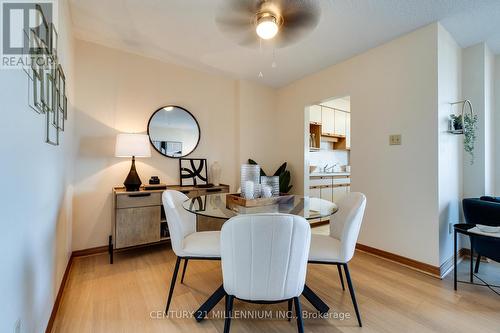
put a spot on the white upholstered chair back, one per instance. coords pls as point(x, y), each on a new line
point(180, 222)
point(346, 223)
point(264, 256)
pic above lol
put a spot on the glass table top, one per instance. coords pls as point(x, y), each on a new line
point(214, 205)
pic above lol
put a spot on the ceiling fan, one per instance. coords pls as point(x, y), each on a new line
point(284, 22)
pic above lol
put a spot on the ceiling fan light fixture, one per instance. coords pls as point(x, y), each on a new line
point(267, 27)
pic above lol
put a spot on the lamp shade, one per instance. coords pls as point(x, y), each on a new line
point(128, 145)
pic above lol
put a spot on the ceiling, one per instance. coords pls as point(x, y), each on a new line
point(184, 32)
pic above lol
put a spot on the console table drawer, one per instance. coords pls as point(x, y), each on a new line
point(136, 226)
point(138, 200)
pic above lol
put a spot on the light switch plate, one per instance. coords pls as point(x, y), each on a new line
point(395, 139)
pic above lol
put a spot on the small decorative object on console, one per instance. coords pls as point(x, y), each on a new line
point(215, 173)
point(154, 180)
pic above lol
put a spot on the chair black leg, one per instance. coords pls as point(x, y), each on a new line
point(290, 306)
point(172, 284)
point(351, 291)
point(110, 249)
point(471, 276)
point(341, 277)
point(476, 269)
point(184, 270)
point(298, 312)
point(229, 312)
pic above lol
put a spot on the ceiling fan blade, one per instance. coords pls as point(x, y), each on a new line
point(250, 40)
point(299, 18)
point(249, 7)
point(234, 22)
point(237, 19)
point(306, 15)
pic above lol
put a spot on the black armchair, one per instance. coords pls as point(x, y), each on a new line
point(486, 211)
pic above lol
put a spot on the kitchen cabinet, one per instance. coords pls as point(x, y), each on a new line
point(315, 192)
point(339, 123)
point(315, 114)
point(331, 188)
point(327, 192)
point(327, 121)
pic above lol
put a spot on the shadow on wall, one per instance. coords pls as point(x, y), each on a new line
point(95, 154)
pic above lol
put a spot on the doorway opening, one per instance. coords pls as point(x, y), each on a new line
point(327, 152)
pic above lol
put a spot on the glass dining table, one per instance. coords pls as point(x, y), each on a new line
point(215, 206)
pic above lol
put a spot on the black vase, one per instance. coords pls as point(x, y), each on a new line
point(132, 182)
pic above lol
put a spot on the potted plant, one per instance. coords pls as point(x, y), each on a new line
point(456, 123)
point(470, 126)
point(465, 123)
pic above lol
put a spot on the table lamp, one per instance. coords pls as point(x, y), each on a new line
point(132, 145)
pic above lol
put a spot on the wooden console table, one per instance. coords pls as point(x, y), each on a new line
point(139, 218)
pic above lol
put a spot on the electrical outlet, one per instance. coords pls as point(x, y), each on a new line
point(395, 139)
point(17, 328)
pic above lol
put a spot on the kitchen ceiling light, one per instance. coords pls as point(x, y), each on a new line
point(267, 27)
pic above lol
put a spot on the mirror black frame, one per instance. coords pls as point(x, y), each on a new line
point(194, 118)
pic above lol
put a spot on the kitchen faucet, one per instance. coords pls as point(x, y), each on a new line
point(328, 169)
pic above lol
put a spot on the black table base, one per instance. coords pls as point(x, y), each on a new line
point(463, 228)
point(219, 294)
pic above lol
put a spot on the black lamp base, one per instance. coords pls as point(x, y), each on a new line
point(132, 182)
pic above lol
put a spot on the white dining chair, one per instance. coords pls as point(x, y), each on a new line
point(338, 247)
point(187, 243)
point(264, 260)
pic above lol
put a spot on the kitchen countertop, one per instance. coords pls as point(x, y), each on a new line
point(329, 174)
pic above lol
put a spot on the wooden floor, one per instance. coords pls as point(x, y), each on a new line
point(122, 298)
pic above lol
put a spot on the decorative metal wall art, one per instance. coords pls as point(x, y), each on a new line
point(46, 79)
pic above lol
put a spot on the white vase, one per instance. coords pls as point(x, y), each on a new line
point(267, 191)
point(215, 171)
point(248, 189)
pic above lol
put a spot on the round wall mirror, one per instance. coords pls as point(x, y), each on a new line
point(173, 131)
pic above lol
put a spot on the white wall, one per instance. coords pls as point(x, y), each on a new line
point(496, 121)
point(473, 90)
point(257, 135)
point(36, 202)
point(118, 92)
point(489, 107)
point(339, 103)
point(450, 146)
point(393, 89)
